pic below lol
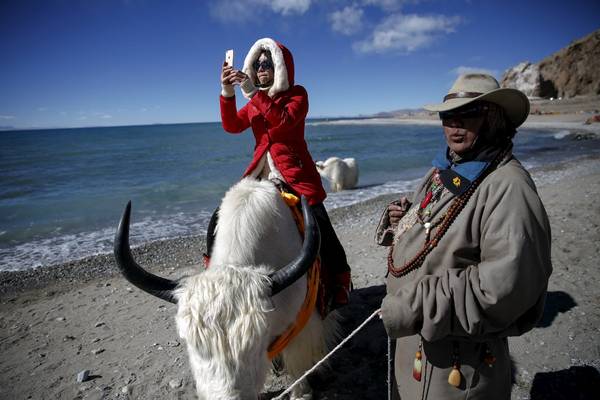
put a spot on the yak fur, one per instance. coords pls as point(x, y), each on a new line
point(341, 173)
point(226, 315)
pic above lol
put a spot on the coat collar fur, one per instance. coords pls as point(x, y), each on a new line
point(282, 60)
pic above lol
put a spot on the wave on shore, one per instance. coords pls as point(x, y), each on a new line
point(69, 247)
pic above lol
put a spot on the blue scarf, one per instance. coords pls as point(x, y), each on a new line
point(458, 177)
point(468, 169)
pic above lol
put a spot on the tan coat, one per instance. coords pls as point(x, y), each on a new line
point(486, 280)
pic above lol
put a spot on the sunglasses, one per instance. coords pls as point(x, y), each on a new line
point(265, 64)
point(473, 111)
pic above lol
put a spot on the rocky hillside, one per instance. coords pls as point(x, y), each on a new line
point(571, 71)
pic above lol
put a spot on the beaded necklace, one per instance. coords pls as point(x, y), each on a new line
point(433, 195)
point(444, 222)
point(418, 213)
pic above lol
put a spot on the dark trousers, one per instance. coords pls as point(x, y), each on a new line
point(333, 256)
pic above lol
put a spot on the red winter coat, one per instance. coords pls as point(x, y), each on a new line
point(277, 120)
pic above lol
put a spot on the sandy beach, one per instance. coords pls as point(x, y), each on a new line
point(57, 321)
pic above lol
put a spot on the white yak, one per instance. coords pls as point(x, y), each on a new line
point(229, 314)
point(341, 173)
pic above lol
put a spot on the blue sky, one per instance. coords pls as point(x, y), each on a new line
point(68, 63)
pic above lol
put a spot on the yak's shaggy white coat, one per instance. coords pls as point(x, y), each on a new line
point(226, 315)
point(342, 173)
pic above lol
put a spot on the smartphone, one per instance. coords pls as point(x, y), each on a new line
point(229, 57)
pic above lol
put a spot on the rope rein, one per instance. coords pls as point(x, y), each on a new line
point(390, 368)
point(336, 348)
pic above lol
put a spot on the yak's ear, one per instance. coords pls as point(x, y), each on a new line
point(189, 317)
point(186, 326)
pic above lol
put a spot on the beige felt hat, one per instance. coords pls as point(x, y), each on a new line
point(481, 87)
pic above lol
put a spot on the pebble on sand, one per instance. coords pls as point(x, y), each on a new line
point(175, 383)
point(83, 376)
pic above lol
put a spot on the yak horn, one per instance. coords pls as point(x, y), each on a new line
point(289, 274)
point(155, 285)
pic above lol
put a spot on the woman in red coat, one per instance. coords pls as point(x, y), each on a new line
point(276, 112)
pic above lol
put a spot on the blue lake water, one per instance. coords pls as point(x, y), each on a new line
point(62, 190)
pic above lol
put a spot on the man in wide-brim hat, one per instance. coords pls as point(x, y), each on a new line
point(469, 258)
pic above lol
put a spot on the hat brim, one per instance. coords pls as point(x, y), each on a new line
point(514, 102)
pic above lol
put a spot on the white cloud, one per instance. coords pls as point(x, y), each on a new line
point(231, 10)
point(6, 117)
point(473, 70)
point(346, 21)
point(106, 116)
point(406, 33)
point(288, 7)
point(244, 10)
point(385, 4)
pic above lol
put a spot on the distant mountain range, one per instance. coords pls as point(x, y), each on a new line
point(404, 112)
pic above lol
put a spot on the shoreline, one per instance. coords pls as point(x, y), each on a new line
point(171, 254)
point(168, 255)
point(549, 122)
point(161, 256)
point(562, 125)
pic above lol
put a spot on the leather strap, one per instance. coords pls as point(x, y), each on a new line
point(462, 95)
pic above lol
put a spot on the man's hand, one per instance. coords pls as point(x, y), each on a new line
point(397, 209)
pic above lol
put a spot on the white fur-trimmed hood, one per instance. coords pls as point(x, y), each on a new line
point(283, 73)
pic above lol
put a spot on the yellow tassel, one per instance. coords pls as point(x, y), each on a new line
point(417, 367)
point(454, 377)
point(290, 199)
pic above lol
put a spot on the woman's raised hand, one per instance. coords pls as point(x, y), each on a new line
point(231, 76)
